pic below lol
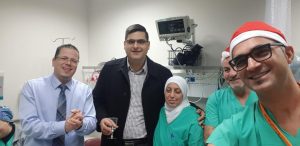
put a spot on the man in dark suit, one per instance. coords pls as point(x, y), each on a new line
point(131, 89)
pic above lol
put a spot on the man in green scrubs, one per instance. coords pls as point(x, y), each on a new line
point(261, 56)
point(224, 103)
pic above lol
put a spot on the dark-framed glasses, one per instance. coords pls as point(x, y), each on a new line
point(259, 53)
point(67, 59)
point(139, 41)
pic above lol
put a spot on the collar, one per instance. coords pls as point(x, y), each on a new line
point(56, 83)
point(143, 70)
point(274, 126)
point(153, 69)
point(173, 113)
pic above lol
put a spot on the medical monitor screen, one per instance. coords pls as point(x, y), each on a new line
point(170, 27)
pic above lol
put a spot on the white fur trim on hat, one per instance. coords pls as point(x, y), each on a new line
point(254, 33)
point(225, 54)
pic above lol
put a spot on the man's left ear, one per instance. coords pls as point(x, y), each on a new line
point(289, 53)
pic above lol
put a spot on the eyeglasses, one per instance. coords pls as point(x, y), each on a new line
point(139, 42)
point(66, 60)
point(259, 53)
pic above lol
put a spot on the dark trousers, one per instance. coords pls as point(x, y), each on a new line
point(121, 142)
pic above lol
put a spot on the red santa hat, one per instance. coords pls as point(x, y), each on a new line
point(254, 29)
point(225, 54)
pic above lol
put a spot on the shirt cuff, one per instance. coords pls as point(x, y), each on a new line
point(59, 128)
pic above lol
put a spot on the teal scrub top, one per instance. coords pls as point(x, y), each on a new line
point(222, 104)
point(183, 131)
point(249, 128)
point(9, 142)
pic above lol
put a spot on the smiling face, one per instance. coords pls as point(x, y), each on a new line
point(269, 74)
point(231, 77)
point(65, 64)
point(173, 95)
point(136, 47)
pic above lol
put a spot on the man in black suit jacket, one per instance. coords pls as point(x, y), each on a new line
point(131, 89)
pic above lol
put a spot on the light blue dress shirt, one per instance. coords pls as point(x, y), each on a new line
point(38, 105)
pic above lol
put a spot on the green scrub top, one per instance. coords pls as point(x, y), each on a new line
point(9, 142)
point(249, 128)
point(222, 104)
point(183, 131)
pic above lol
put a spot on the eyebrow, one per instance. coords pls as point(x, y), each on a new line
point(255, 47)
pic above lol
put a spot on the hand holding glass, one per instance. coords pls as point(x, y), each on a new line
point(115, 120)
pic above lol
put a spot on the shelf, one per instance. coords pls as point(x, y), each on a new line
point(90, 67)
point(195, 67)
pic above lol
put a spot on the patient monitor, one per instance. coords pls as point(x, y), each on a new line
point(175, 28)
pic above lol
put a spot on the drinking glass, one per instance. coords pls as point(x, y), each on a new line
point(115, 120)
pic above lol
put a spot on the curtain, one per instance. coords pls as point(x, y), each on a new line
point(278, 14)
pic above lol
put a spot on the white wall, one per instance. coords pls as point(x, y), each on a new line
point(216, 20)
point(27, 30)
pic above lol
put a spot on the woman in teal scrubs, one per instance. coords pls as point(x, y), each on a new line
point(178, 124)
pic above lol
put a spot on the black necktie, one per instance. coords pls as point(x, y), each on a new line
point(61, 114)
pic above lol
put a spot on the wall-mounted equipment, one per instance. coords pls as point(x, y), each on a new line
point(186, 57)
point(175, 28)
point(181, 29)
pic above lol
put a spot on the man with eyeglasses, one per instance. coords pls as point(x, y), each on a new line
point(261, 56)
point(224, 103)
point(131, 89)
point(57, 110)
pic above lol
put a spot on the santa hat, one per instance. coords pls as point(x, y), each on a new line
point(225, 54)
point(254, 29)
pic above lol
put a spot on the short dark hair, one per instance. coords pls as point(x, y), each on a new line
point(134, 28)
point(70, 46)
